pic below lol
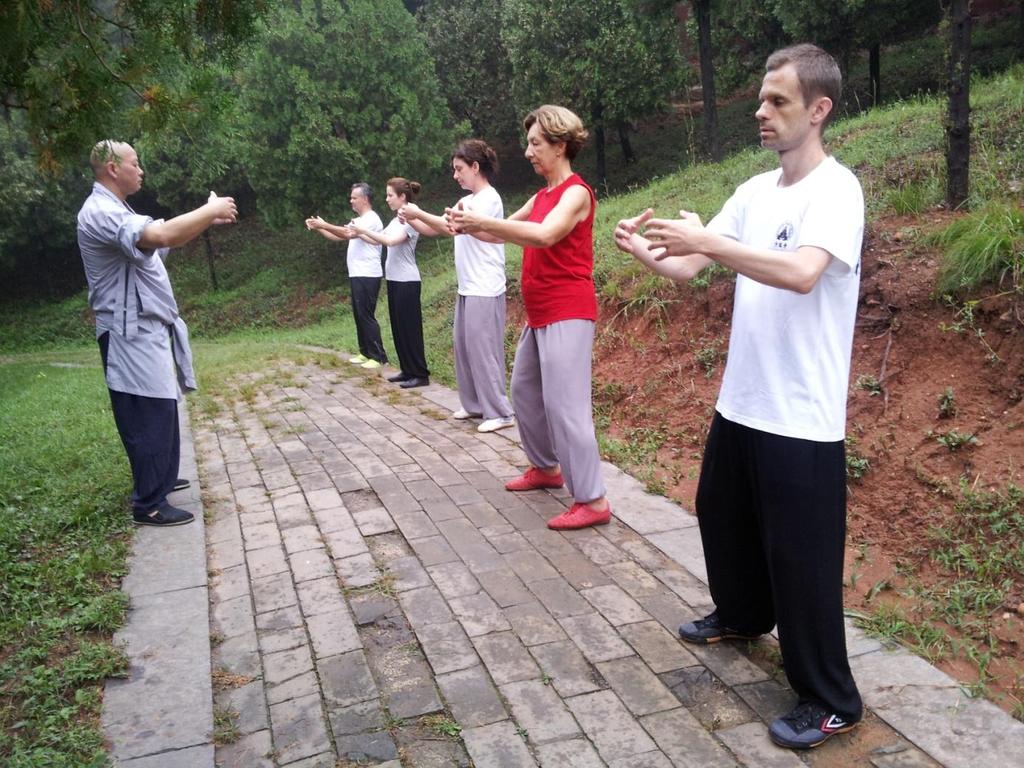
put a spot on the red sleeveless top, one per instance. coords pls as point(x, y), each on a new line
point(558, 281)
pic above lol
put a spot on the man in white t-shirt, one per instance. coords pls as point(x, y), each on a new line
point(365, 270)
point(771, 502)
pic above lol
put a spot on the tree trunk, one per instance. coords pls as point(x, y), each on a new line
point(958, 124)
point(707, 78)
point(627, 148)
point(209, 259)
point(875, 73)
point(602, 166)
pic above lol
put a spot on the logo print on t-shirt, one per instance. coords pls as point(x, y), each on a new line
point(783, 236)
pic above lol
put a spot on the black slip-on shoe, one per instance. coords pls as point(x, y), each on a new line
point(181, 484)
point(808, 725)
point(416, 381)
point(399, 377)
point(711, 630)
point(165, 516)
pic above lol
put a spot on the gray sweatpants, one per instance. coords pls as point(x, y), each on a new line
point(551, 392)
point(479, 340)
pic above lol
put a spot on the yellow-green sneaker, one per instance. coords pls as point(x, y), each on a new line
point(357, 360)
point(371, 364)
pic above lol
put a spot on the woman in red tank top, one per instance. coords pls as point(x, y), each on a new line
point(551, 376)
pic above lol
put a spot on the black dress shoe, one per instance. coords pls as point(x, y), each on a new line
point(167, 515)
point(416, 381)
point(399, 377)
point(181, 484)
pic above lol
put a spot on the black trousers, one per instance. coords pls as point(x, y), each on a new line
point(772, 514)
point(148, 427)
point(407, 327)
point(364, 306)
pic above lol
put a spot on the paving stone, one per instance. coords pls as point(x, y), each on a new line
point(441, 509)
point(248, 704)
point(261, 535)
point(284, 665)
point(471, 697)
point(358, 570)
point(364, 748)
point(319, 596)
point(505, 587)
point(233, 617)
point(298, 729)
point(634, 579)
point(453, 580)
point(481, 514)
point(252, 750)
point(474, 550)
point(447, 647)
point(596, 547)
point(294, 688)
point(660, 650)
point(346, 679)
point(638, 688)
point(537, 708)
point(726, 661)
point(509, 542)
point(688, 587)
point(558, 596)
point(497, 746)
point(595, 637)
point(570, 673)
point(434, 550)
point(225, 554)
point(533, 624)
point(345, 543)
point(229, 583)
point(686, 742)
point(324, 499)
point(414, 524)
point(708, 698)
point(406, 684)
point(266, 562)
point(505, 657)
point(334, 520)
point(769, 699)
point(749, 742)
point(282, 618)
point(577, 753)
point(271, 593)
point(333, 633)
point(374, 521)
point(424, 606)
point(609, 725)
point(530, 566)
point(311, 564)
point(479, 614)
point(906, 757)
point(647, 760)
point(301, 538)
point(615, 605)
point(370, 607)
point(356, 718)
point(668, 609)
point(323, 760)
point(408, 573)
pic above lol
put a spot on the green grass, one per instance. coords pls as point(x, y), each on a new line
point(63, 484)
point(984, 246)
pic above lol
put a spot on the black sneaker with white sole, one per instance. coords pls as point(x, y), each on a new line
point(165, 516)
point(808, 725)
point(711, 630)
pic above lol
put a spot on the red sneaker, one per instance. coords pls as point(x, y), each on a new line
point(580, 516)
point(533, 478)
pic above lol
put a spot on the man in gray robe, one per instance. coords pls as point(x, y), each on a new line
point(143, 342)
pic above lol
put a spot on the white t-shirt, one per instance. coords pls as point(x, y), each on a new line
point(480, 266)
point(789, 354)
point(400, 266)
point(363, 258)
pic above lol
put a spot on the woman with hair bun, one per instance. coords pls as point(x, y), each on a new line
point(403, 282)
point(551, 376)
point(479, 332)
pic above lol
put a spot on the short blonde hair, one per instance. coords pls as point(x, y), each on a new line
point(106, 151)
point(559, 125)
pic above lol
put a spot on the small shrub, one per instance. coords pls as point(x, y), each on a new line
point(869, 384)
point(955, 440)
point(947, 404)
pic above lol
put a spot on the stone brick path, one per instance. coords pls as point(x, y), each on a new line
point(378, 598)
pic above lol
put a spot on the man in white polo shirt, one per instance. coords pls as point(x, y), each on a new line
point(771, 502)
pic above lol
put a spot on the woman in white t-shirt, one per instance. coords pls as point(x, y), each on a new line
point(403, 283)
point(479, 333)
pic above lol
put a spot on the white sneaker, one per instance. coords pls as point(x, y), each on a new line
point(493, 425)
point(462, 413)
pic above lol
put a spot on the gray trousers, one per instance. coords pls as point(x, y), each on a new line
point(479, 340)
point(551, 392)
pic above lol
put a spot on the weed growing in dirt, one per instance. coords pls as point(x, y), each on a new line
point(856, 465)
point(954, 440)
point(983, 246)
point(947, 404)
point(869, 383)
point(892, 623)
point(709, 356)
point(965, 322)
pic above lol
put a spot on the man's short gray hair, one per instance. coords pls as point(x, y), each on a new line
point(363, 189)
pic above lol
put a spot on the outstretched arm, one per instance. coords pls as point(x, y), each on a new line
point(425, 223)
point(572, 208)
point(328, 230)
point(181, 229)
point(378, 238)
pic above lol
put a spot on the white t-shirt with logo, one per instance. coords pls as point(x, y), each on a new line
point(400, 266)
point(480, 266)
point(363, 258)
point(789, 353)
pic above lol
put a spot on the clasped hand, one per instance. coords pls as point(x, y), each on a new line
point(660, 237)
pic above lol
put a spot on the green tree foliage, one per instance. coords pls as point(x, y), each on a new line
point(337, 93)
point(472, 64)
point(600, 59)
point(87, 69)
